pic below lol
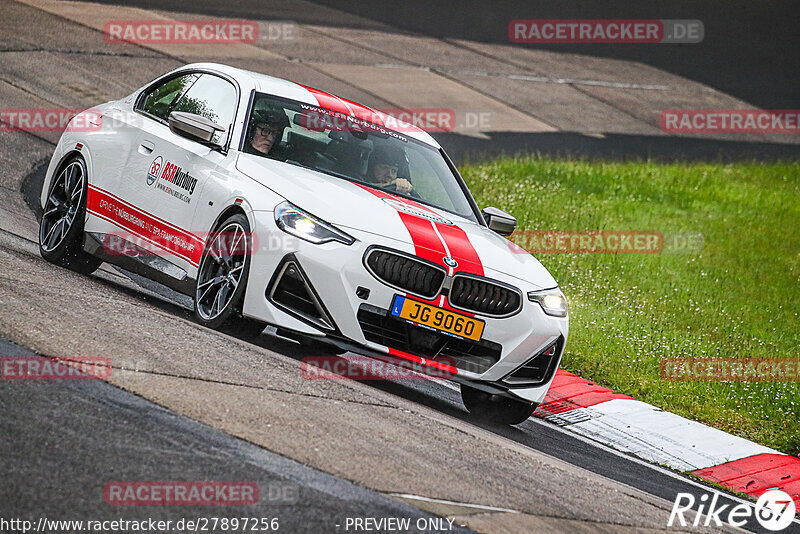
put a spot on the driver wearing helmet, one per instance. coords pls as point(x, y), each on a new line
point(266, 131)
point(385, 162)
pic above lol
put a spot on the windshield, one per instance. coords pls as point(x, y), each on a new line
point(353, 149)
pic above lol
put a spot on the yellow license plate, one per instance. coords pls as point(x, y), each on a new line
point(437, 318)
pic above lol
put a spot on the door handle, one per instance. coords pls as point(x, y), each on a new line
point(146, 147)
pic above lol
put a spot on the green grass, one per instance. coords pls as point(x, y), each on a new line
point(737, 297)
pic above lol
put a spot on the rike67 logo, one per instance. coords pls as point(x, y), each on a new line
point(775, 510)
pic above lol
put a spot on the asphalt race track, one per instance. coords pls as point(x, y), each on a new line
point(187, 403)
point(56, 441)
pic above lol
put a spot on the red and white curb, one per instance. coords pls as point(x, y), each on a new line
point(628, 425)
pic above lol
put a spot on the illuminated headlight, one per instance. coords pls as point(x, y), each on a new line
point(297, 222)
point(552, 301)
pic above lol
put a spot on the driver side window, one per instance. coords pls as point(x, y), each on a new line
point(213, 98)
point(158, 101)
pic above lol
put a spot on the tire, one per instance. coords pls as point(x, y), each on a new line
point(495, 408)
point(222, 279)
point(63, 219)
point(243, 328)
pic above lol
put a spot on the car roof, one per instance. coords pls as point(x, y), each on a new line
point(309, 95)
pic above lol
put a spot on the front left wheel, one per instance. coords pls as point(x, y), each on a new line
point(63, 218)
point(495, 408)
point(222, 279)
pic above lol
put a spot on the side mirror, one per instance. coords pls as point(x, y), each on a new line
point(192, 126)
point(499, 221)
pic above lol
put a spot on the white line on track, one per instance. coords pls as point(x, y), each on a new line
point(454, 503)
point(533, 78)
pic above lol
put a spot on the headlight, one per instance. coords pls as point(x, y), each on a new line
point(297, 222)
point(552, 301)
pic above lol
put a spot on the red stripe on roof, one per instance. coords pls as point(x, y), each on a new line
point(363, 112)
point(326, 100)
point(342, 105)
point(757, 474)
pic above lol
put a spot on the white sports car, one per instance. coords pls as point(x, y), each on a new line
point(272, 203)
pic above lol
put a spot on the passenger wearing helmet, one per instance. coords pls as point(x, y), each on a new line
point(266, 131)
point(385, 162)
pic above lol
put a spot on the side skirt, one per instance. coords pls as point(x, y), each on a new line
point(140, 261)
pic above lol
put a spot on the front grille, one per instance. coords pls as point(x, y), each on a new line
point(538, 369)
point(405, 272)
point(484, 296)
point(380, 327)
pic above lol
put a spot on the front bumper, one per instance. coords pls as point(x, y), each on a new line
point(338, 279)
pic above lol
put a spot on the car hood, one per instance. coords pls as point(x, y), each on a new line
point(349, 205)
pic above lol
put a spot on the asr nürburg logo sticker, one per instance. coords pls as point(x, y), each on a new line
point(152, 174)
point(171, 179)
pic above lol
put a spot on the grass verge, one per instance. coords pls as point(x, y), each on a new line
point(738, 296)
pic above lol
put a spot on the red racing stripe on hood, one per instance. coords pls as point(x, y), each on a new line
point(461, 249)
point(455, 238)
point(428, 244)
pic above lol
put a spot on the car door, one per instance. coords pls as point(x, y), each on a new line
point(165, 172)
